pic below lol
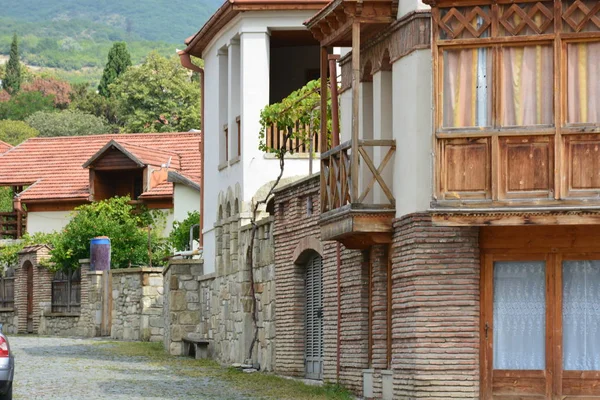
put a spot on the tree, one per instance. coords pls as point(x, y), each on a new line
point(16, 132)
point(118, 62)
point(61, 90)
point(90, 102)
point(67, 123)
point(12, 78)
point(23, 104)
point(157, 96)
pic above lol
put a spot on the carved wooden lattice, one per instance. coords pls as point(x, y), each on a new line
point(581, 15)
point(526, 19)
point(465, 22)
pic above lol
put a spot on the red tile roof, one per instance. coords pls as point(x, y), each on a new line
point(54, 166)
point(142, 155)
point(4, 147)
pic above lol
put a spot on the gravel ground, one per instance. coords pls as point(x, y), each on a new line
point(65, 368)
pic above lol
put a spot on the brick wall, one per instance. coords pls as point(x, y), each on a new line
point(30, 257)
point(297, 236)
point(435, 310)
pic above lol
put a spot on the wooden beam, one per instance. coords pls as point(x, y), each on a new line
point(516, 219)
point(324, 67)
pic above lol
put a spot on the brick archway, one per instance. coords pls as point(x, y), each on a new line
point(305, 248)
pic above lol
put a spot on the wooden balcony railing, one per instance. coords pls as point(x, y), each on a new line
point(12, 224)
point(276, 136)
point(345, 180)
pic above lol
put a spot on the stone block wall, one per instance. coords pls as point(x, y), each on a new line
point(226, 303)
point(218, 306)
point(137, 304)
point(9, 320)
point(181, 302)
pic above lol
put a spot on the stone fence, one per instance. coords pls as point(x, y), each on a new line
point(218, 306)
point(124, 304)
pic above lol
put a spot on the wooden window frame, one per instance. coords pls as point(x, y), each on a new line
point(559, 132)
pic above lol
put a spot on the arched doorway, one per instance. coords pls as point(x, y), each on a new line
point(28, 267)
point(314, 318)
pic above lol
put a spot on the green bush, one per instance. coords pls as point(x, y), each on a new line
point(122, 223)
point(9, 254)
point(179, 238)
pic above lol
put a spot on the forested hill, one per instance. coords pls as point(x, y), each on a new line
point(71, 38)
point(156, 20)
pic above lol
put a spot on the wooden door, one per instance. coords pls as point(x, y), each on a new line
point(29, 298)
point(517, 325)
point(570, 336)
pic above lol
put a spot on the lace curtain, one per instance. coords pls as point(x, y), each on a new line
point(520, 315)
point(581, 315)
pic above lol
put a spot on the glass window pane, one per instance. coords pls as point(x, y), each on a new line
point(467, 88)
point(520, 315)
point(583, 82)
point(527, 85)
point(581, 315)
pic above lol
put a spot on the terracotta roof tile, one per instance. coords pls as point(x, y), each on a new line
point(53, 166)
point(4, 147)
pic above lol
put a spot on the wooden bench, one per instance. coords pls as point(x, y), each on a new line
point(195, 346)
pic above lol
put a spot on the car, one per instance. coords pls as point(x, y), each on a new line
point(7, 368)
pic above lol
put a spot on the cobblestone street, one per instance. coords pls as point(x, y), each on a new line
point(63, 368)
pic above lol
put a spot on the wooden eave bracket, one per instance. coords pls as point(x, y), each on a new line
point(511, 218)
point(333, 23)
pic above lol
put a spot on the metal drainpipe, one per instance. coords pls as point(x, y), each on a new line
point(186, 62)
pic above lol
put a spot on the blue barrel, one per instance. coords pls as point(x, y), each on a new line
point(100, 253)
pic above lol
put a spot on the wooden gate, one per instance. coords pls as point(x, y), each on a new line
point(29, 268)
point(106, 323)
point(314, 318)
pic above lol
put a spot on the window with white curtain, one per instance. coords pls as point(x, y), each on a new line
point(520, 315)
point(581, 315)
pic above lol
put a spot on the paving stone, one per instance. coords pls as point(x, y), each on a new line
point(69, 369)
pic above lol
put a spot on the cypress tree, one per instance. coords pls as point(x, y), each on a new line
point(118, 61)
point(12, 78)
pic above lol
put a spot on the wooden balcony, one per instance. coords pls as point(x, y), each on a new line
point(275, 138)
point(12, 224)
point(357, 203)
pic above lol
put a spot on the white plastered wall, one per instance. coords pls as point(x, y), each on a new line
point(185, 199)
point(406, 6)
point(412, 126)
point(253, 169)
point(47, 221)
